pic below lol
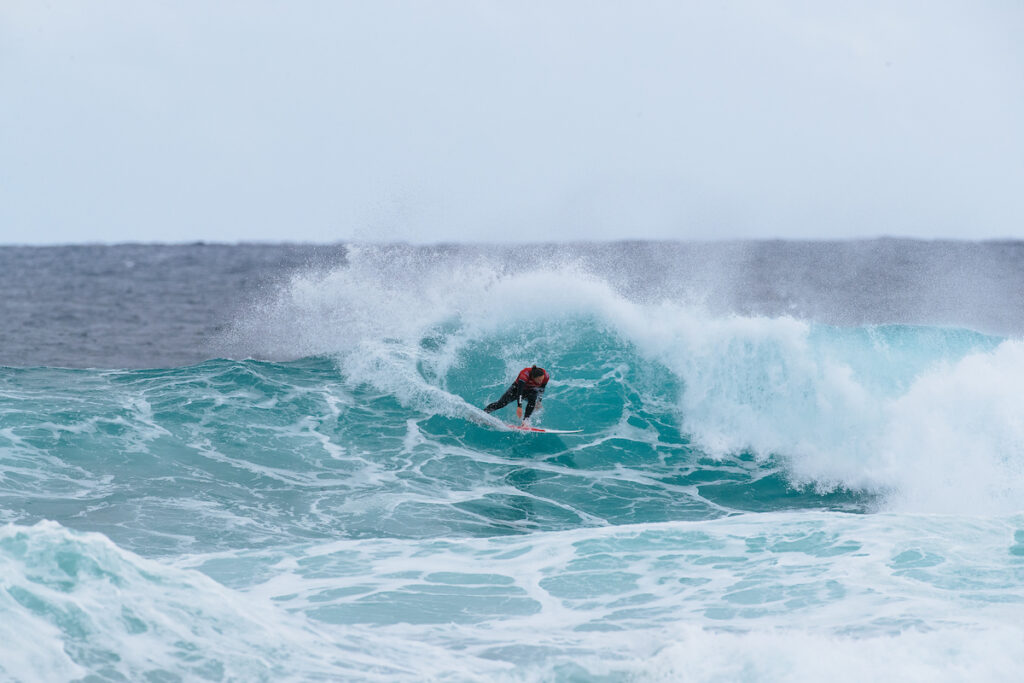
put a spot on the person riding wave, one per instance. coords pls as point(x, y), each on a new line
point(529, 385)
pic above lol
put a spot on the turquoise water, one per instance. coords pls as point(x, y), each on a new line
point(751, 498)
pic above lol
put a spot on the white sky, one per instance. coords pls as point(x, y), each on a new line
point(180, 120)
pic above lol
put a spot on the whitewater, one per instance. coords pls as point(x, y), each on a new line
point(799, 462)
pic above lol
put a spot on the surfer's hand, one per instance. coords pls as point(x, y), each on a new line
point(519, 412)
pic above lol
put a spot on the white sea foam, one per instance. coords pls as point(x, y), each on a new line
point(768, 597)
point(75, 603)
point(794, 656)
point(771, 597)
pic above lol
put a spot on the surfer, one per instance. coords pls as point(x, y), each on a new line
point(529, 385)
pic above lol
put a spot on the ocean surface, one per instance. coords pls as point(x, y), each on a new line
point(799, 462)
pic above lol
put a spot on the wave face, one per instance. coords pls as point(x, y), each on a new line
point(753, 496)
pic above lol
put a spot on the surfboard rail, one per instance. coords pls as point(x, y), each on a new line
point(527, 428)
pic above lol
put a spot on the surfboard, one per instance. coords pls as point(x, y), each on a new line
point(524, 428)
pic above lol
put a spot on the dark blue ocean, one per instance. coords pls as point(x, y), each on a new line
point(799, 461)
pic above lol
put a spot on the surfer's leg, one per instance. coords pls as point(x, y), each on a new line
point(531, 401)
point(505, 399)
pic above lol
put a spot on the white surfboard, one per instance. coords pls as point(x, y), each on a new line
point(526, 428)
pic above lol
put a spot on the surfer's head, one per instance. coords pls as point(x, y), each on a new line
point(536, 373)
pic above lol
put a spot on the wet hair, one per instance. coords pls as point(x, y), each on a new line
point(536, 372)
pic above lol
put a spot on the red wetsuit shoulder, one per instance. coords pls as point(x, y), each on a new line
point(524, 376)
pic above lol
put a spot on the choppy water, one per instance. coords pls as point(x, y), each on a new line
point(798, 462)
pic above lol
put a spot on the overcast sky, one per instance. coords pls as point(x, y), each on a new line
point(182, 120)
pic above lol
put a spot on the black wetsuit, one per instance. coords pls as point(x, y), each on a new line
point(523, 387)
